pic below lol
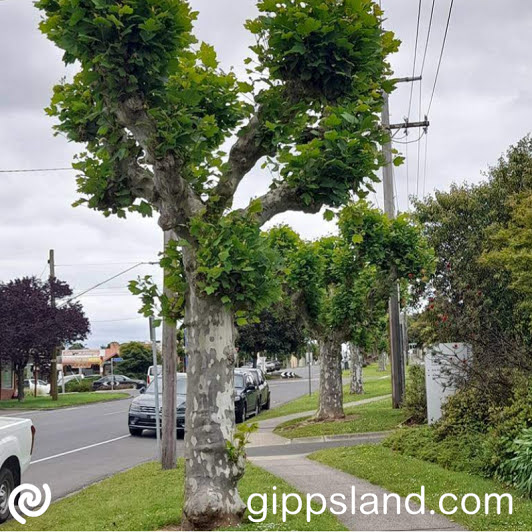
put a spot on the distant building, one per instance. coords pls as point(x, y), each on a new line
point(90, 360)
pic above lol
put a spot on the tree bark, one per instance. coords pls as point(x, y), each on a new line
point(382, 361)
point(331, 390)
point(211, 495)
point(169, 352)
point(357, 361)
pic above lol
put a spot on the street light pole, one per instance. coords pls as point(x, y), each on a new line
point(156, 387)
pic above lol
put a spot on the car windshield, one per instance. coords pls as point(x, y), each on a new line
point(181, 386)
point(239, 381)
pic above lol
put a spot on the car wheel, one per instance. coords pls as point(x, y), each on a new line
point(267, 405)
point(7, 484)
point(135, 431)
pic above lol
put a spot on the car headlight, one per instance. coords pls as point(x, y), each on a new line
point(134, 409)
point(237, 397)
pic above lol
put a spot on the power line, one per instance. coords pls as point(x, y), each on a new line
point(411, 141)
point(104, 264)
point(24, 171)
point(441, 55)
point(425, 164)
point(415, 57)
point(105, 281)
point(428, 37)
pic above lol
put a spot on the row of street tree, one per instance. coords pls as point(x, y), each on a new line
point(153, 109)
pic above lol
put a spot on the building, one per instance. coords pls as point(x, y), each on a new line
point(87, 360)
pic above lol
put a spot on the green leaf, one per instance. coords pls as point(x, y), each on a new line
point(328, 215)
point(241, 321)
point(207, 55)
point(398, 161)
point(357, 239)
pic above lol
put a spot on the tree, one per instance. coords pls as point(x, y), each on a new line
point(31, 328)
point(77, 345)
point(137, 359)
point(474, 296)
point(341, 284)
point(153, 109)
point(277, 333)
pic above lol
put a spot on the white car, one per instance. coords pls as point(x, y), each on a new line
point(150, 375)
point(16, 446)
point(43, 388)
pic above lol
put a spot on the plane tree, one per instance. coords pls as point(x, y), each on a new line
point(341, 284)
point(154, 109)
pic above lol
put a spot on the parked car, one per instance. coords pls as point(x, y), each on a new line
point(262, 387)
point(117, 382)
point(141, 413)
point(270, 366)
point(247, 399)
point(43, 388)
point(151, 373)
point(16, 446)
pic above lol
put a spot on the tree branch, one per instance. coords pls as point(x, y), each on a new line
point(280, 199)
point(243, 156)
point(176, 200)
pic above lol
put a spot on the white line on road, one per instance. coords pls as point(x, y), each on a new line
point(80, 449)
point(115, 412)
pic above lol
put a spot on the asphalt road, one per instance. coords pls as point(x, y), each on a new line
point(78, 446)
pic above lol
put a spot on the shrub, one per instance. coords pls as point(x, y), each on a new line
point(517, 470)
point(84, 385)
point(466, 411)
point(464, 452)
point(415, 404)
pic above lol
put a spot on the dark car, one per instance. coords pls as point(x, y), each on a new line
point(262, 386)
point(117, 382)
point(247, 399)
point(142, 409)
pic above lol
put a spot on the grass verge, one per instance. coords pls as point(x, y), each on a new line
point(371, 417)
point(374, 386)
point(147, 498)
point(74, 399)
point(404, 475)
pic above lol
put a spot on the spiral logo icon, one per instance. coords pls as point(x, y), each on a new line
point(29, 498)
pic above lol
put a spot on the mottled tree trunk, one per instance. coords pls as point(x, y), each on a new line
point(357, 361)
point(211, 475)
point(383, 358)
point(331, 391)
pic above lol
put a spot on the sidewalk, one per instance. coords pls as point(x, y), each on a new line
point(311, 477)
point(266, 437)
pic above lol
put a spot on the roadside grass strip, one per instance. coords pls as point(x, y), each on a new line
point(376, 383)
point(404, 475)
point(148, 498)
point(371, 417)
point(70, 399)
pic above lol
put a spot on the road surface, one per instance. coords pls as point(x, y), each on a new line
point(78, 446)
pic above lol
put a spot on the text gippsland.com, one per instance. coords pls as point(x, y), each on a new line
point(285, 504)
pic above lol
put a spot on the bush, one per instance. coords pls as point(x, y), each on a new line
point(84, 385)
point(415, 404)
point(517, 470)
point(465, 452)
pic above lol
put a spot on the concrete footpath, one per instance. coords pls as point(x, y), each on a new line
point(309, 477)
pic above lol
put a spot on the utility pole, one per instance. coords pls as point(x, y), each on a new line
point(169, 349)
point(53, 365)
point(397, 363)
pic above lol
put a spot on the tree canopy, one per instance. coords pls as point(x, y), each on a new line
point(31, 327)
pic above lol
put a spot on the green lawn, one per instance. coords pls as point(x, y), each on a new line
point(45, 402)
point(147, 498)
point(372, 417)
point(374, 386)
point(403, 475)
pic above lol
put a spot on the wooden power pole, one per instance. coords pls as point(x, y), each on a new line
point(53, 365)
point(396, 348)
point(169, 352)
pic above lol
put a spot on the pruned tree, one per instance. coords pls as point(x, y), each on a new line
point(153, 108)
point(341, 284)
point(30, 328)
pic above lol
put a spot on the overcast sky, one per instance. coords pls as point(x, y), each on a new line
point(481, 106)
